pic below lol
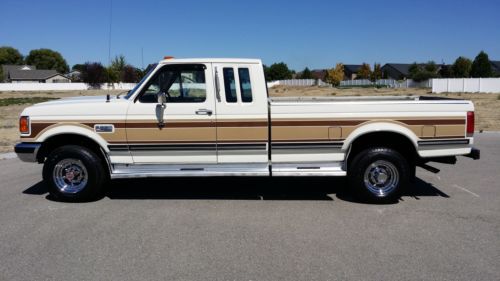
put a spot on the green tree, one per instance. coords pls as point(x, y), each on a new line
point(278, 71)
point(377, 72)
point(481, 67)
point(306, 74)
point(364, 72)
point(461, 67)
point(423, 72)
point(118, 63)
point(47, 59)
point(94, 74)
point(335, 75)
point(445, 71)
point(1, 75)
point(129, 74)
point(79, 67)
point(9, 55)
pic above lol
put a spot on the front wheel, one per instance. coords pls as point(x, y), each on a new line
point(379, 174)
point(74, 173)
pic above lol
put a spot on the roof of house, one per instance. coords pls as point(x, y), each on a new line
point(32, 74)
point(354, 68)
point(10, 67)
point(403, 68)
point(496, 65)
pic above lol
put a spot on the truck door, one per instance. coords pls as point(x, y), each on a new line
point(242, 119)
point(187, 134)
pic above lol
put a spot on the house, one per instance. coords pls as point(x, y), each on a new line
point(319, 74)
point(495, 66)
point(351, 71)
point(29, 74)
point(74, 75)
point(396, 71)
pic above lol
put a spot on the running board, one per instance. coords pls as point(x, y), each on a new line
point(309, 169)
point(123, 171)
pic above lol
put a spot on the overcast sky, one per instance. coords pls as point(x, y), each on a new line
point(310, 33)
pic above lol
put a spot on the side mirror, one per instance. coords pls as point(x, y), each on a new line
point(162, 98)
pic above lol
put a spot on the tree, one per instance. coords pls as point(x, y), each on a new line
point(129, 74)
point(377, 72)
point(94, 74)
point(364, 71)
point(79, 67)
point(9, 55)
point(1, 75)
point(424, 72)
point(481, 67)
point(445, 71)
point(335, 75)
point(47, 59)
point(278, 71)
point(118, 63)
point(461, 67)
point(306, 74)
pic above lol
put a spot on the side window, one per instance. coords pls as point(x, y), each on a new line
point(180, 83)
point(245, 85)
point(229, 84)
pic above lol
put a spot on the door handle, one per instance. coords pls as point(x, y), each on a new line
point(203, 111)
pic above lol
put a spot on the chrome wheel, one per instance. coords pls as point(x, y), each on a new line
point(70, 175)
point(381, 178)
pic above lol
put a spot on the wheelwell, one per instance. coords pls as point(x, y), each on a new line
point(67, 139)
point(396, 141)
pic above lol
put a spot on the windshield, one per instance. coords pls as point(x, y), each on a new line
point(151, 68)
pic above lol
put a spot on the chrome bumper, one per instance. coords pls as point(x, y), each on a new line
point(27, 151)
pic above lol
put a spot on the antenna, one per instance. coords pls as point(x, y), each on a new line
point(109, 44)
point(142, 58)
point(110, 24)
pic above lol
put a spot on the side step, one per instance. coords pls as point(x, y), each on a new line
point(309, 169)
point(123, 171)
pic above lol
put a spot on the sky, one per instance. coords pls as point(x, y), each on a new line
point(312, 33)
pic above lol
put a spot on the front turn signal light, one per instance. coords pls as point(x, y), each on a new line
point(24, 125)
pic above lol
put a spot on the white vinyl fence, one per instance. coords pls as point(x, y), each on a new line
point(409, 83)
point(297, 82)
point(466, 85)
point(7, 87)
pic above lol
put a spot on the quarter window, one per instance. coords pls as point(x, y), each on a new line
point(245, 85)
point(229, 85)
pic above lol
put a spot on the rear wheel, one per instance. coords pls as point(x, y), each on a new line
point(74, 173)
point(379, 174)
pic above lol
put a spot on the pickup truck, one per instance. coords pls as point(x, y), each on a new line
point(213, 117)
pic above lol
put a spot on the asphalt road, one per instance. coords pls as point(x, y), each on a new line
point(446, 227)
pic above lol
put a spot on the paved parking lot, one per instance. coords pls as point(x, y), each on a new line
point(446, 227)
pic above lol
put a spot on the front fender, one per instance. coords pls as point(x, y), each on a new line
point(74, 129)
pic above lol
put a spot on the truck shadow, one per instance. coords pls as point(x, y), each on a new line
point(241, 188)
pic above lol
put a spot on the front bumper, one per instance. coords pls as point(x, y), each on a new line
point(474, 154)
point(27, 151)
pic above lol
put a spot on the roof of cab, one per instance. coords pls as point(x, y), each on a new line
point(211, 60)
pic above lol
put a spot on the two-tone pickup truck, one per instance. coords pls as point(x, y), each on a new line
point(213, 117)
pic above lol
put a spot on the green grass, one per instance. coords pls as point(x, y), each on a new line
point(19, 101)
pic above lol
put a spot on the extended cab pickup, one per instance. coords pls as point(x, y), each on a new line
point(213, 117)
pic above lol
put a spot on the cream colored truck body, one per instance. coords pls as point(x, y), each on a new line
point(220, 121)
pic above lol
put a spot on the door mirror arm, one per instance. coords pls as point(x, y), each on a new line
point(160, 109)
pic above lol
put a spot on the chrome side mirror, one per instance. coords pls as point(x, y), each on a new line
point(162, 98)
point(160, 108)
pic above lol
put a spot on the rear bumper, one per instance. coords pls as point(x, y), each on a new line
point(27, 151)
point(474, 154)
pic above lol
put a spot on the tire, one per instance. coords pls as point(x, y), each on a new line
point(74, 173)
point(378, 175)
